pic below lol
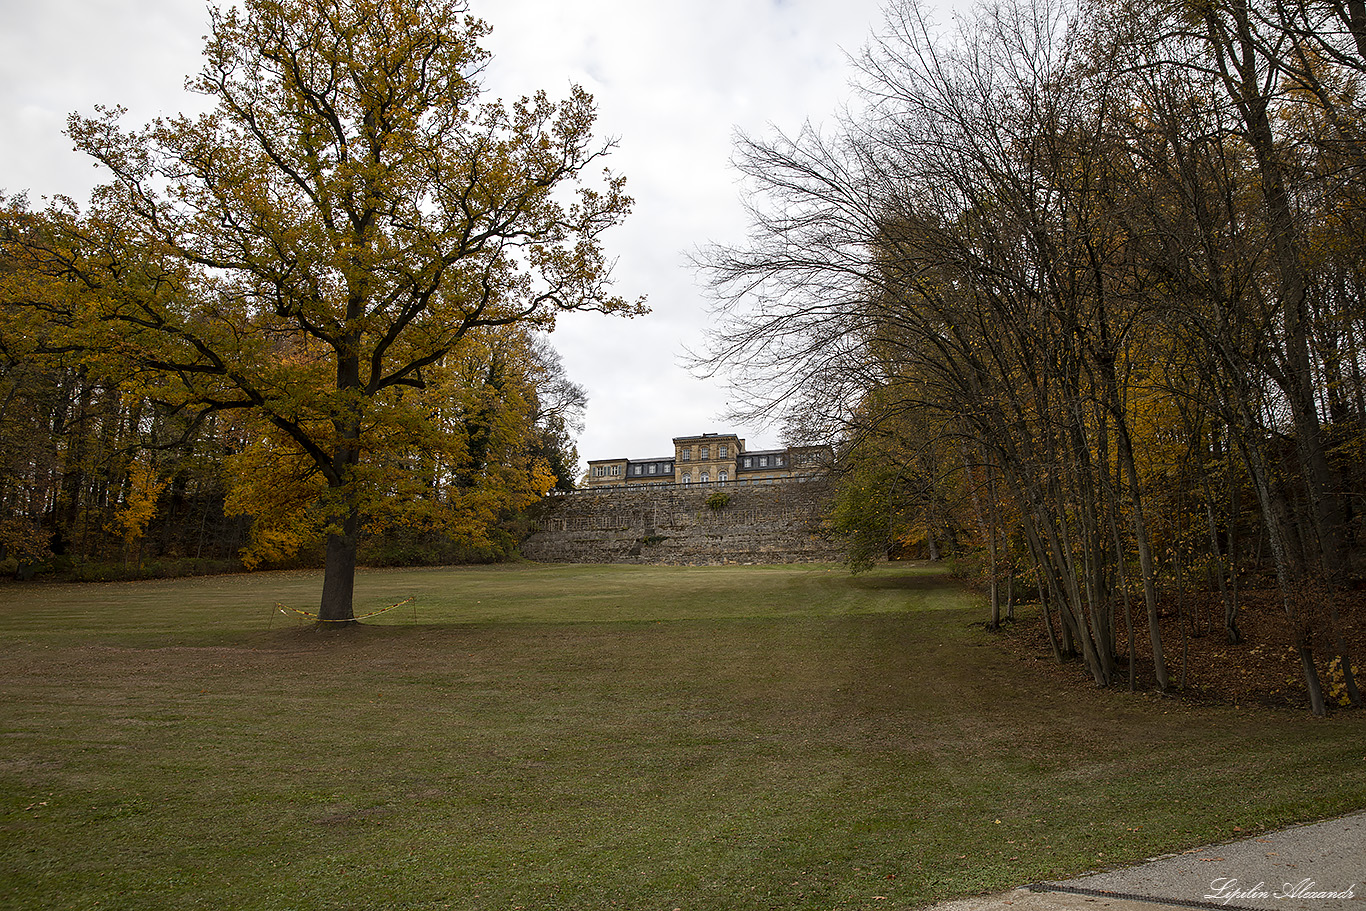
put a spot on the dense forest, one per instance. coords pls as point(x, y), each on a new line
point(311, 323)
point(1083, 285)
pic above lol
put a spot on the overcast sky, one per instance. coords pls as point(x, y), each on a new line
point(673, 81)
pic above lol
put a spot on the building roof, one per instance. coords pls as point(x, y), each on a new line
point(708, 436)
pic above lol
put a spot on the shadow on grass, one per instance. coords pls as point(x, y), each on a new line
point(916, 577)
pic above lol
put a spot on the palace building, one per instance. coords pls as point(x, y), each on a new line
point(711, 458)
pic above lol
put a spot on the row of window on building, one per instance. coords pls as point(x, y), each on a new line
point(761, 461)
point(665, 469)
point(704, 452)
point(655, 470)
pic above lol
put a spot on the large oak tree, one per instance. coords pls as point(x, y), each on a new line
point(315, 248)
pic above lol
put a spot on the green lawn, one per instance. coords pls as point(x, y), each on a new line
point(561, 737)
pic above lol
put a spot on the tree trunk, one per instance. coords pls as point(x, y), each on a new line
point(1123, 579)
point(1349, 679)
point(994, 524)
point(1010, 588)
point(1047, 613)
point(1232, 634)
point(1074, 612)
point(1036, 548)
point(339, 576)
point(1145, 558)
point(988, 529)
point(1311, 679)
point(1280, 557)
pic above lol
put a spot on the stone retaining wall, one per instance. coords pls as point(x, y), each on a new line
point(777, 523)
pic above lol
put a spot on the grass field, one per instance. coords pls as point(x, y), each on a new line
point(542, 737)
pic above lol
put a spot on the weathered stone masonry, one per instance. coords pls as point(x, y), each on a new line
point(773, 523)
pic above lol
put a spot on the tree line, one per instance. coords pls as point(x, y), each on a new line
point(100, 479)
point(313, 317)
point(1081, 285)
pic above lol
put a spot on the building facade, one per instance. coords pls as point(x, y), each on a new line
point(711, 458)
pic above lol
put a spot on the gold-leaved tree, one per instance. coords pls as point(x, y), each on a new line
point(318, 252)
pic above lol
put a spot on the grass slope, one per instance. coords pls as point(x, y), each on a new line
point(594, 737)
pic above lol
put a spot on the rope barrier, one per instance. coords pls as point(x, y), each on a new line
point(283, 608)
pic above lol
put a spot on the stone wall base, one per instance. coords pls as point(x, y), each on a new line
point(777, 523)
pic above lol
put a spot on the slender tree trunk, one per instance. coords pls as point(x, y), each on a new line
point(1122, 583)
point(1231, 631)
point(1145, 557)
point(1073, 604)
point(998, 537)
point(1349, 679)
point(1317, 704)
point(995, 588)
point(1182, 622)
point(1094, 547)
point(1281, 558)
point(988, 529)
point(1010, 581)
point(1040, 569)
point(1234, 510)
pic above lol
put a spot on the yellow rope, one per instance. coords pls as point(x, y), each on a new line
point(312, 616)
